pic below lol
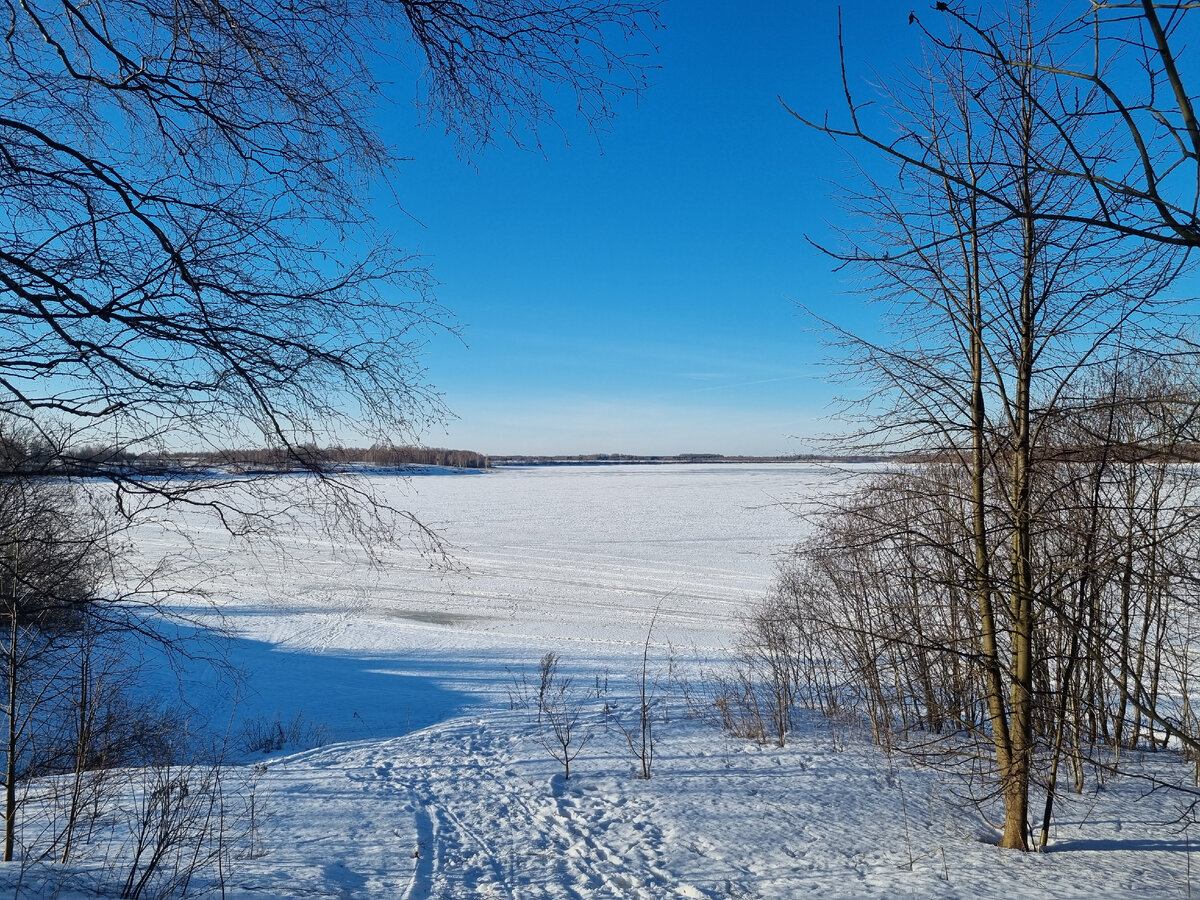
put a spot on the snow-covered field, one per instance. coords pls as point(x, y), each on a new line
point(430, 783)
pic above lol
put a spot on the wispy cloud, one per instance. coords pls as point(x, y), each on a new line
point(741, 384)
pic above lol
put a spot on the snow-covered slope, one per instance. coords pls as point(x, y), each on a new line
point(431, 783)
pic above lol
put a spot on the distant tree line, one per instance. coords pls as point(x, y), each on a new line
point(309, 456)
point(632, 459)
point(414, 456)
point(23, 457)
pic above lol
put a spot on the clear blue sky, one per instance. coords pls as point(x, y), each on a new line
point(638, 292)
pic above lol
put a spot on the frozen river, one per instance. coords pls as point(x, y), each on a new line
point(575, 559)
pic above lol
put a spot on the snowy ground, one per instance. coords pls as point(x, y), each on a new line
point(431, 785)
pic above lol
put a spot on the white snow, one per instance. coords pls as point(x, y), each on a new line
point(431, 785)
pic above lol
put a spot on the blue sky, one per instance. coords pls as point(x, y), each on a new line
point(638, 292)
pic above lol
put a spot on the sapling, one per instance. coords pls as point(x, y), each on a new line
point(641, 739)
point(560, 713)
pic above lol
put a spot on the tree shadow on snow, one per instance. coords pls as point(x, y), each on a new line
point(1108, 845)
point(237, 684)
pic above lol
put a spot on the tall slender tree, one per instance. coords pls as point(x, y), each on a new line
point(1003, 294)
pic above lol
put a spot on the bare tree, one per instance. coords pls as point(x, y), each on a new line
point(49, 571)
point(562, 713)
point(189, 255)
point(649, 706)
point(1132, 57)
point(1004, 294)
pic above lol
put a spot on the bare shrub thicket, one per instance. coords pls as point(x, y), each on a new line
point(882, 593)
point(138, 802)
point(264, 734)
point(159, 812)
point(180, 824)
point(52, 564)
point(563, 716)
point(736, 699)
point(779, 664)
point(79, 735)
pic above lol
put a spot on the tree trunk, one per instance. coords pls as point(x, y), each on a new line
point(10, 768)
